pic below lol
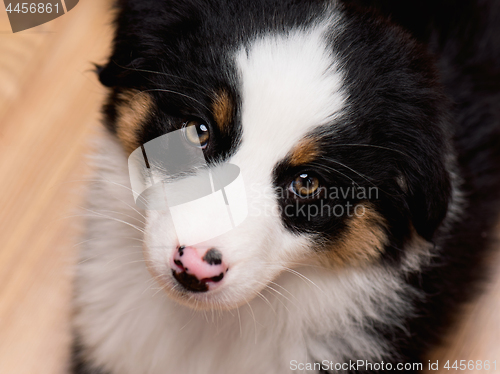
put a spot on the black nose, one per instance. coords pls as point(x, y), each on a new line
point(190, 282)
point(213, 257)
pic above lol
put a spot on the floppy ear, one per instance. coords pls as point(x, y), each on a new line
point(108, 74)
point(119, 72)
point(428, 193)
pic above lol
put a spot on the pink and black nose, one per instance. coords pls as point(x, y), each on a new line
point(198, 269)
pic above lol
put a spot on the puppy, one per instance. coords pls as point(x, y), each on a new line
point(288, 186)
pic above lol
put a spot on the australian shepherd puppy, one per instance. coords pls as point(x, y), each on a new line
point(288, 186)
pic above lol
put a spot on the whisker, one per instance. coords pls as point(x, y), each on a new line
point(123, 214)
point(111, 182)
point(131, 207)
point(114, 219)
point(254, 321)
point(284, 289)
point(127, 263)
point(161, 73)
point(369, 180)
point(95, 214)
point(336, 171)
point(173, 92)
point(351, 169)
point(188, 322)
point(262, 297)
point(374, 146)
point(98, 255)
point(149, 284)
point(281, 301)
point(308, 265)
point(304, 278)
point(239, 319)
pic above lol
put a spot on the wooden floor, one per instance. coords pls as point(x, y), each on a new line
point(49, 108)
point(49, 103)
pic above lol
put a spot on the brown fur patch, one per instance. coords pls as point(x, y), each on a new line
point(306, 151)
point(133, 110)
point(223, 110)
point(363, 240)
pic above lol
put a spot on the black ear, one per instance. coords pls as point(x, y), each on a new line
point(428, 193)
point(107, 75)
point(104, 74)
point(119, 72)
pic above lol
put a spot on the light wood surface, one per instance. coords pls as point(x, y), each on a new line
point(49, 109)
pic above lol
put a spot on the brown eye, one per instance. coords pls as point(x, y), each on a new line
point(197, 133)
point(305, 185)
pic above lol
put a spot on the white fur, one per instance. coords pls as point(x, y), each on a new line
point(290, 84)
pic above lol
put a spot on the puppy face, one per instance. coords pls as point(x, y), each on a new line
point(334, 121)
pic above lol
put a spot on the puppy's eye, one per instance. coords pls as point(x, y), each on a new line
point(196, 133)
point(305, 185)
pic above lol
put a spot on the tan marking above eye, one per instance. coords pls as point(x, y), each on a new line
point(306, 151)
point(223, 110)
point(133, 110)
point(362, 242)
